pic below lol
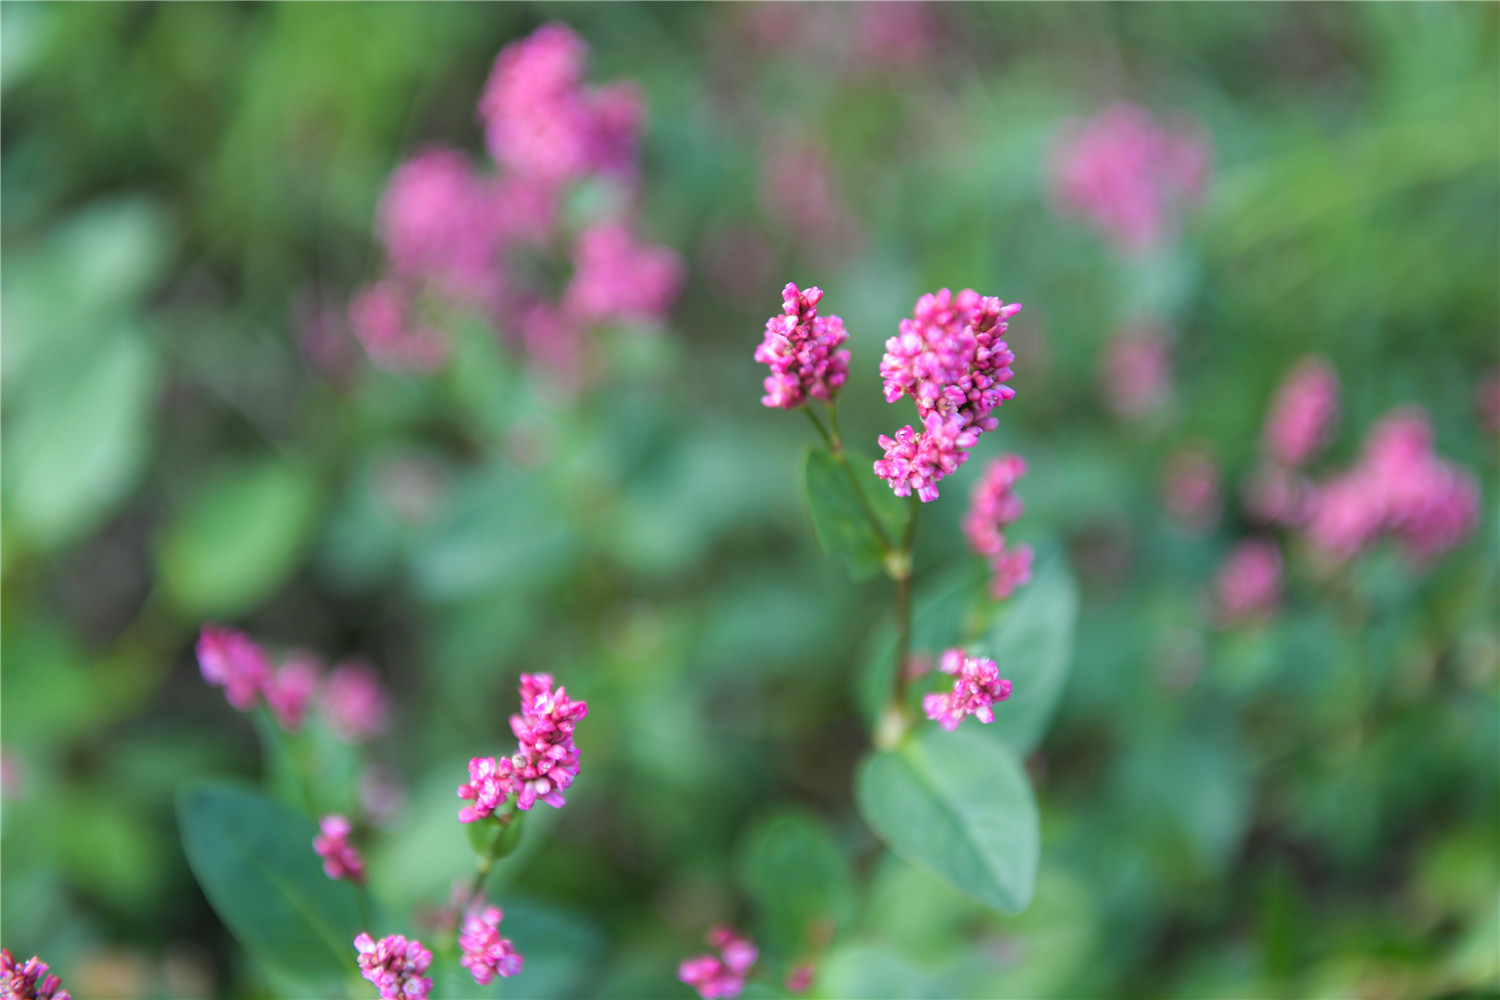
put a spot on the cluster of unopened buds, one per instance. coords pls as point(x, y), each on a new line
point(977, 688)
point(545, 762)
point(720, 976)
point(395, 965)
point(801, 349)
point(454, 236)
point(341, 860)
point(993, 505)
point(28, 980)
point(350, 697)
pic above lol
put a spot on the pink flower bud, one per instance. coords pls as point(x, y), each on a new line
point(977, 687)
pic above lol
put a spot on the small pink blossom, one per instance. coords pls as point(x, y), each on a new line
point(722, 975)
point(1248, 584)
point(395, 965)
point(617, 279)
point(950, 357)
point(1136, 373)
point(490, 784)
point(1344, 514)
point(231, 660)
point(1129, 175)
point(1190, 491)
point(354, 702)
point(1302, 413)
point(485, 953)
point(800, 347)
point(28, 980)
point(976, 688)
point(341, 860)
point(435, 224)
point(381, 317)
point(290, 690)
point(800, 978)
point(920, 461)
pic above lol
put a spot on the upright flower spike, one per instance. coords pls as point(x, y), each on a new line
point(800, 348)
point(341, 860)
point(1302, 413)
point(395, 965)
point(231, 660)
point(977, 686)
point(721, 976)
point(28, 980)
point(950, 357)
point(485, 953)
point(547, 761)
point(1248, 584)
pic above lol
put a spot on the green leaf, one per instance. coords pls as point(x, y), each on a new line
point(1032, 644)
point(793, 868)
point(240, 537)
point(255, 862)
point(959, 806)
point(841, 519)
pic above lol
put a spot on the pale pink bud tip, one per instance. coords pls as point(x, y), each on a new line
point(341, 860)
point(395, 965)
point(977, 686)
point(485, 953)
point(722, 975)
point(800, 349)
point(28, 980)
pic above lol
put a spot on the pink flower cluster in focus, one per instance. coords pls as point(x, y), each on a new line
point(1248, 584)
point(454, 235)
point(395, 965)
point(351, 698)
point(1302, 413)
point(1400, 487)
point(993, 505)
point(1130, 175)
point(977, 686)
point(722, 975)
point(952, 360)
point(341, 860)
point(485, 953)
point(800, 349)
point(28, 980)
point(545, 763)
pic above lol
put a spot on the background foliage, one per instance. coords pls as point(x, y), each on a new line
point(1307, 807)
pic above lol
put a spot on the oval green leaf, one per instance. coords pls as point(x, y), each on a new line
point(255, 862)
point(841, 519)
point(957, 805)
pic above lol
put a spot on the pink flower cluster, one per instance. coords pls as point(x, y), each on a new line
point(28, 980)
point(977, 686)
point(800, 347)
point(993, 505)
point(485, 953)
point(1136, 370)
point(341, 860)
point(722, 975)
point(455, 235)
point(952, 360)
point(351, 697)
point(1128, 174)
point(395, 965)
point(1401, 488)
point(1302, 413)
point(1248, 584)
point(545, 763)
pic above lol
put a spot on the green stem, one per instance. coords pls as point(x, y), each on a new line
point(836, 449)
point(894, 723)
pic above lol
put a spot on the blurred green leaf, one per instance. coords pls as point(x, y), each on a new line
point(842, 518)
point(795, 871)
point(255, 863)
point(239, 537)
point(960, 806)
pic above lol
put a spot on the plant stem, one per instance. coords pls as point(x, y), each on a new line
point(836, 449)
point(903, 602)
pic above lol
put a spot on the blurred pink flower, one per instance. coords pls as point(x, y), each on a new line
point(231, 660)
point(1129, 175)
point(28, 980)
point(485, 953)
point(1487, 400)
point(395, 965)
point(340, 858)
point(354, 702)
point(896, 35)
point(435, 224)
point(993, 504)
point(722, 975)
point(1302, 413)
point(617, 279)
point(920, 461)
point(12, 775)
point(1190, 491)
point(322, 330)
point(799, 190)
point(1136, 373)
point(800, 349)
point(977, 687)
point(1248, 584)
point(381, 317)
point(800, 978)
point(292, 687)
point(1274, 494)
point(1009, 569)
